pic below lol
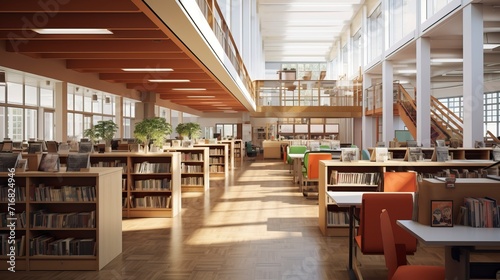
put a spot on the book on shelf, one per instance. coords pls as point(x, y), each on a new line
point(35, 148)
point(440, 154)
point(355, 178)
point(480, 212)
point(63, 148)
point(22, 164)
point(414, 154)
point(78, 162)
point(9, 161)
point(49, 162)
point(379, 154)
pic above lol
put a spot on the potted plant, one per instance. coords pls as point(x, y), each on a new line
point(152, 130)
point(190, 130)
point(104, 130)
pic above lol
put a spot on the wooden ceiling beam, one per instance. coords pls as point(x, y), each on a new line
point(131, 63)
point(24, 21)
point(124, 55)
point(68, 6)
point(123, 77)
point(145, 34)
point(95, 46)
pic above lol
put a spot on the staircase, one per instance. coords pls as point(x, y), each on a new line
point(445, 124)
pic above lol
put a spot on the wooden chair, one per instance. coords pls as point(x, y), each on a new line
point(395, 258)
point(400, 182)
point(369, 239)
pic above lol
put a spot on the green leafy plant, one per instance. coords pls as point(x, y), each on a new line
point(152, 129)
point(104, 130)
point(190, 130)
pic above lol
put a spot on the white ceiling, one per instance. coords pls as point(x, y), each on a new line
point(303, 30)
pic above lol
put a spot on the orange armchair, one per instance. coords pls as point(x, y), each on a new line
point(395, 260)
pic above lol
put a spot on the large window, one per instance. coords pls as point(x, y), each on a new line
point(21, 105)
point(402, 19)
point(375, 34)
point(128, 113)
point(86, 107)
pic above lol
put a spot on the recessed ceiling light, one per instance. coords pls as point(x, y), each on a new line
point(200, 96)
point(447, 60)
point(490, 46)
point(72, 31)
point(147, 69)
point(169, 81)
point(407, 71)
point(190, 89)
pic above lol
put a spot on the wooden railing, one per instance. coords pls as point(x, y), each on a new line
point(215, 19)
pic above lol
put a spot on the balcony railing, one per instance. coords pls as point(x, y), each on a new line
point(221, 30)
point(308, 93)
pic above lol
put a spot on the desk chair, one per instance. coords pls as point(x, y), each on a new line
point(395, 259)
point(400, 182)
point(369, 239)
point(251, 150)
point(310, 173)
point(294, 150)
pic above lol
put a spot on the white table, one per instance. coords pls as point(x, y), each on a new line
point(458, 240)
point(350, 200)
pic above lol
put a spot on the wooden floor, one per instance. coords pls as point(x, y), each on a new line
point(254, 225)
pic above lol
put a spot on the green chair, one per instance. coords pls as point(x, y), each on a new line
point(294, 150)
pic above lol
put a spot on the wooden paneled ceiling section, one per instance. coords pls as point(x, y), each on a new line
point(135, 42)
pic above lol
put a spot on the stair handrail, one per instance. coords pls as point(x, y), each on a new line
point(451, 117)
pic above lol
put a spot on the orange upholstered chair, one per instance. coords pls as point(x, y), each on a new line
point(400, 181)
point(369, 238)
point(395, 260)
point(311, 166)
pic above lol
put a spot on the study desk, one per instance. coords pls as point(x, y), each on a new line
point(457, 240)
point(350, 200)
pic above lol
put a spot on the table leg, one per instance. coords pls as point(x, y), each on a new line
point(352, 275)
point(456, 262)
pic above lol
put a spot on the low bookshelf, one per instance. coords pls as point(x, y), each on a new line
point(195, 176)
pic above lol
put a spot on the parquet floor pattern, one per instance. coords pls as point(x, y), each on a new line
point(253, 225)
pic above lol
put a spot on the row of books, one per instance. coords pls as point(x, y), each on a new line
point(216, 160)
point(191, 157)
point(151, 167)
point(368, 178)
point(186, 168)
point(19, 245)
point(64, 193)
point(115, 163)
point(20, 219)
point(20, 193)
point(216, 169)
point(151, 202)
point(479, 212)
point(49, 245)
point(216, 152)
point(44, 219)
point(195, 181)
point(164, 184)
point(338, 218)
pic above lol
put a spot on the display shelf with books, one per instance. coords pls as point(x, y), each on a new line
point(153, 185)
point(332, 176)
point(195, 176)
point(218, 159)
point(17, 214)
point(69, 221)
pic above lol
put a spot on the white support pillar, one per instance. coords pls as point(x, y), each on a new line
point(423, 95)
point(61, 114)
point(473, 74)
point(387, 102)
point(368, 123)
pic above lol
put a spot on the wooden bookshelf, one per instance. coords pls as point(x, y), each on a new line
point(95, 191)
point(230, 150)
point(326, 167)
point(127, 161)
point(195, 176)
point(218, 159)
point(456, 153)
